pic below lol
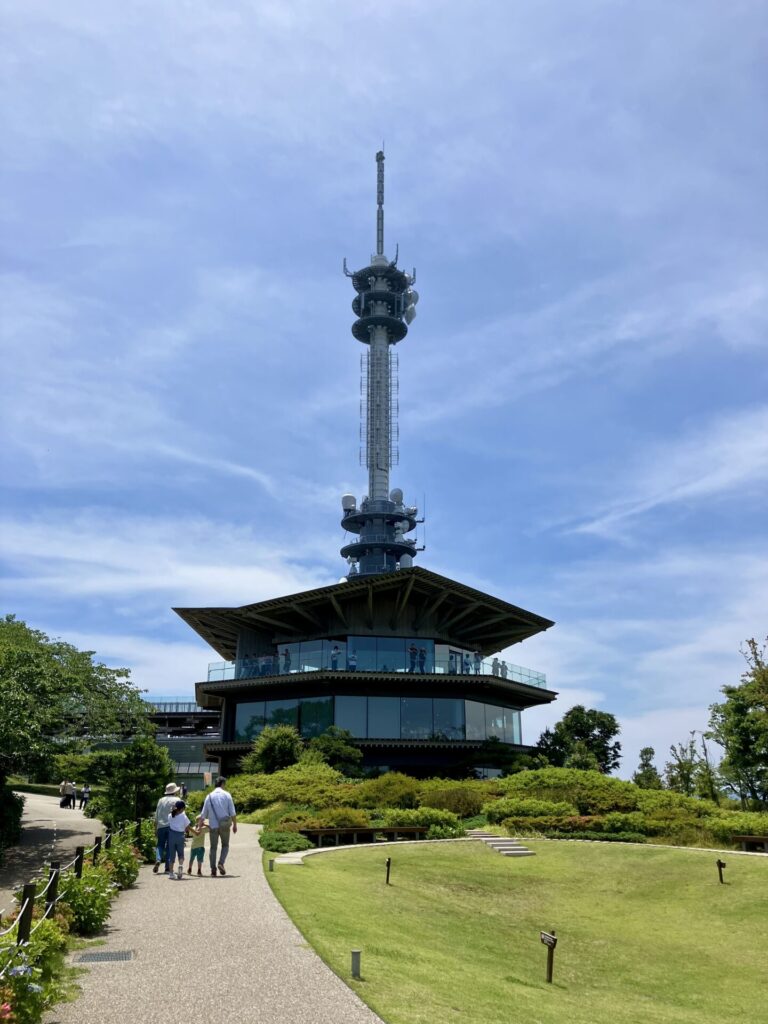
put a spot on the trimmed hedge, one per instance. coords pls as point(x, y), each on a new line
point(284, 842)
point(512, 807)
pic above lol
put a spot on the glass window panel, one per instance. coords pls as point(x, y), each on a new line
point(494, 722)
point(283, 712)
point(365, 648)
point(289, 658)
point(351, 714)
point(249, 720)
point(311, 656)
point(316, 715)
point(448, 718)
point(475, 718)
point(512, 729)
point(384, 718)
point(390, 654)
point(441, 657)
point(415, 718)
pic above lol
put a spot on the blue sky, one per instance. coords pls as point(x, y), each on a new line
point(581, 187)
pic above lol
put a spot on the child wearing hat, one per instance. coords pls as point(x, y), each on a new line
point(197, 846)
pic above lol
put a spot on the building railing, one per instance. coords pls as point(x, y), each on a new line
point(176, 707)
point(251, 668)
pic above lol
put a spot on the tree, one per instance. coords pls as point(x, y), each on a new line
point(740, 726)
point(338, 750)
point(581, 757)
point(680, 771)
point(647, 776)
point(277, 746)
point(52, 694)
point(594, 729)
point(141, 772)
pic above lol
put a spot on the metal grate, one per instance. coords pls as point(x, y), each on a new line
point(104, 955)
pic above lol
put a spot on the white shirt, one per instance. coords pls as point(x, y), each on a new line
point(179, 823)
point(218, 805)
point(164, 807)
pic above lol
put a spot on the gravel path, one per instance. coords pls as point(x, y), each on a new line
point(209, 949)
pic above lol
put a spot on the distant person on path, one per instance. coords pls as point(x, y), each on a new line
point(72, 793)
point(197, 846)
point(165, 805)
point(85, 796)
point(63, 793)
point(178, 827)
point(184, 791)
point(219, 809)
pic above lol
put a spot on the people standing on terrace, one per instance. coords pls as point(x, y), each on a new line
point(478, 661)
point(413, 653)
point(422, 659)
point(495, 667)
point(286, 661)
point(504, 670)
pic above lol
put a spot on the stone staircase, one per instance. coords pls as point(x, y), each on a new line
point(506, 847)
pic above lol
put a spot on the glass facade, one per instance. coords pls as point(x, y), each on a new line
point(373, 654)
point(384, 718)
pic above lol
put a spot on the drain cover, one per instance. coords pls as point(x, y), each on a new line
point(105, 955)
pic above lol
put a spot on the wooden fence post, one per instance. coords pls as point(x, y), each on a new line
point(53, 888)
point(25, 921)
point(79, 857)
point(96, 850)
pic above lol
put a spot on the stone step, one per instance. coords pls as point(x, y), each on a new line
point(516, 853)
point(506, 847)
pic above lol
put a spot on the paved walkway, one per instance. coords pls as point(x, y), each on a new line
point(210, 949)
point(48, 832)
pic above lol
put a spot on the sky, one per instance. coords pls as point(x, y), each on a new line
point(583, 394)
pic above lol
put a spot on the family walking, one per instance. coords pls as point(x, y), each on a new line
point(216, 820)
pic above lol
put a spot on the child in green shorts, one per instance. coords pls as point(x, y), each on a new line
point(197, 847)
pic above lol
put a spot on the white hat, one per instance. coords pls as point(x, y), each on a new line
point(171, 789)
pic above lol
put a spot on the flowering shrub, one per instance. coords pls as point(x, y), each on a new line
point(89, 898)
point(31, 984)
point(123, 859)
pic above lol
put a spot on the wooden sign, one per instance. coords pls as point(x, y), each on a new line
point(550, 941)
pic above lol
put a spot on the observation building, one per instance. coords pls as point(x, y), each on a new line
point(403, 658)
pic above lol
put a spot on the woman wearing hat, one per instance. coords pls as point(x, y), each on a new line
point(165, 806)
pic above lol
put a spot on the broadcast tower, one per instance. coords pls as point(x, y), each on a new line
point(384, 305)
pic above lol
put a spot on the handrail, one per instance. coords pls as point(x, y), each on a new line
point(48, 886)
point(16, 921)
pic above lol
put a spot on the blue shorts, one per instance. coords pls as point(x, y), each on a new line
point(196, 854)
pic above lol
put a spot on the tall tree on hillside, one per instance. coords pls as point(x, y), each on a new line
point(647, 776)
point(740, 726)
point(594, 730)
point(52, 694)
point(680, 771)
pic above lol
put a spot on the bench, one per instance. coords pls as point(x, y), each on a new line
point(752, 844)
point(362, 835)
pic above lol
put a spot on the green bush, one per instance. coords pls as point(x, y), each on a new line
point(284, 842)
point(603, 837)
point(547, 823)
point(591, 792)
point(338, 817)
point(96, 808)
point(463, 798)
point(724, 826)
point(11, 810)
point(89, 898)
point(195, 801)
point(317, 785)
point(513, 807)
point(33, 982)
point(430, 816)
point(621, 822)
point(123, 858)
point(391, 790)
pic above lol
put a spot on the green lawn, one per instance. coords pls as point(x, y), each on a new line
point(644, 935)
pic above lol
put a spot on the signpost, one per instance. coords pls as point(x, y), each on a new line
point(720, 867)
point(550, 941)
point(389, 865)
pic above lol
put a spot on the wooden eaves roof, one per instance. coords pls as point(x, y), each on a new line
point(460, 614)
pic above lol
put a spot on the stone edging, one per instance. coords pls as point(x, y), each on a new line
point(298, 856)
point(644, 846)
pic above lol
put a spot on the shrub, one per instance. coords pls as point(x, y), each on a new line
point(276, 747)
point(724, 826)
point(317, 785)
point(89, 898)
point(512, 807)
point(284, 842)
point(622, 823)
point(11, 810)
point(123, 857)
point(33, 982)
point(550, 823)
point(338, 817)
point(590, 792)
point(96, 807)
point(430, 816)
point(463, 798)
point(603, 837)
point(391, 790)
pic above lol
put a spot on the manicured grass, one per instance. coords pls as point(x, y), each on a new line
point(643, 935)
